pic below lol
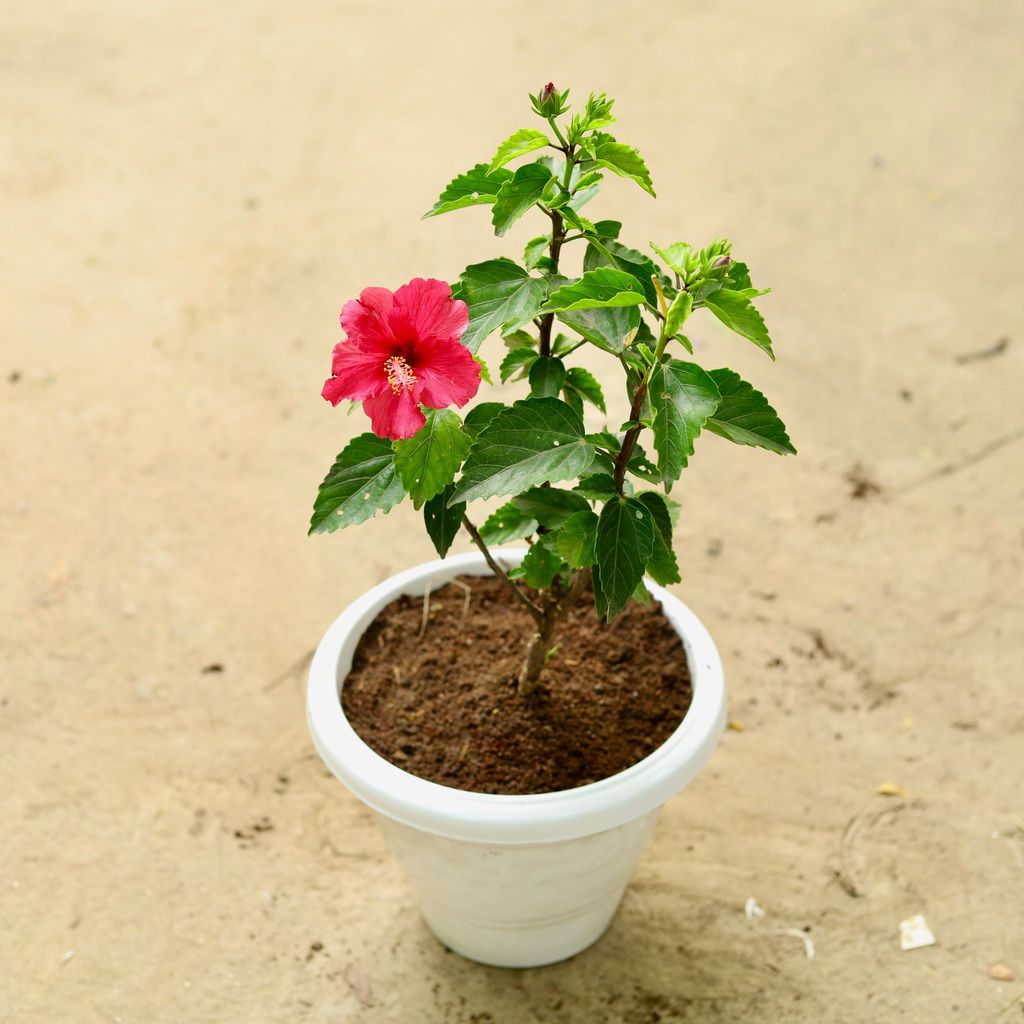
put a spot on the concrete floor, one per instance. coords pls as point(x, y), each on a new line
point(189, 192)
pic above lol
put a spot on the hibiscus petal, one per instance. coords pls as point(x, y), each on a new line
point(358, 373)
point(395, 416)
point(424, 310)
point(366, 319)
point(447, 374)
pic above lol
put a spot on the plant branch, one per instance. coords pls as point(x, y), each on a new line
point(535, 610)
point(637, 406)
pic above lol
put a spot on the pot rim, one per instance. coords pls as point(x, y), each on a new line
point(502, 818)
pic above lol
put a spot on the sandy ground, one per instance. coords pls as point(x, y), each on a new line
point(189, 191)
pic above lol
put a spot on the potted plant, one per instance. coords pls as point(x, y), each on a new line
point(518, 784)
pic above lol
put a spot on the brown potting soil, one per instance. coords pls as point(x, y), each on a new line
point(444, 705)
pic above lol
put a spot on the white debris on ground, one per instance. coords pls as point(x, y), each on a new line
point(915, 933)
point(752, 909)
point(803, 936)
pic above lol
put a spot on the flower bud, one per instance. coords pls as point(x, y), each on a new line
point(549, 102)
point(722, 261)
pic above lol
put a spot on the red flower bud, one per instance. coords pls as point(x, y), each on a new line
point(549, 102)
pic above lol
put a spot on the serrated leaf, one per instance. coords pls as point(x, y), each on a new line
point(576, 220)
point(586, 384)
point(516, 364)
point(546, 376)
point(662, 566)
point(622, 159)
point(608, 229)
point(586, 188)
point(535, 250)
point(485, 373)
point(476, 187)
point(675, 256)
point(745, 417)
point(539, 567)
point(537, 440)
point(682, 397)
point(576, 538)
point(737, 312)
point(517, 195)
point(597, 289)
point(574, 400)
point(480, 415)
point(361, 482)
point(509, 523)
point(443, 523)
point(680, 309)
point(428, 461)
point(550, 506)
point(519, 339)
point(518, 144)
point(737, 279)
point(610, 253)
point(500, 294)
point(624, 542)
point(596, 486)
point(609, 329)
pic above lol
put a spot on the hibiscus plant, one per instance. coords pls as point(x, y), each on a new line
point(586, 501)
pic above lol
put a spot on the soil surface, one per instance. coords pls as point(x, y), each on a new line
point(189, 191)
point(445, 706)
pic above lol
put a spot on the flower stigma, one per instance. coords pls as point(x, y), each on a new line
point(400, 374)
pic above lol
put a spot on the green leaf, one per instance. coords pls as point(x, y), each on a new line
point(575, 540)
point(480, 415)
point(737, 312)
point(574, 400)
point(579, 222)
point(508, 523)
point(680, 309)
point(585, 383)
point(476, 187)
point(675, 256)
point(485, 373)
point(516, 364)
point(539, 566)
point(443, 523)
point(744, 416)
point(662, 566)
point(519, 339)
point(517, 195)
point(607, 229)
point(535, 250)
point(597, 289)
point(586, 188)
point(609, 253)
point(361, 482)
point(535, 441)
point(623, 160)
point(518, 144)
point(546, 376)
point(625, 540)
point(428, 461)
point(550, 506)
point(683, 397)
point(609, 329)
point(500, 294)
point(737, 279)
point(596, 486)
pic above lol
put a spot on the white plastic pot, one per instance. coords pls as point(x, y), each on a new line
point(513, 881)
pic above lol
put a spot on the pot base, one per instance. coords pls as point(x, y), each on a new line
point(526, 911)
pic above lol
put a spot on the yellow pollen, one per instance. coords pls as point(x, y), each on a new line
point(399, 373)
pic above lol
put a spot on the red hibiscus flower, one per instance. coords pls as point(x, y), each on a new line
point(403, 351)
